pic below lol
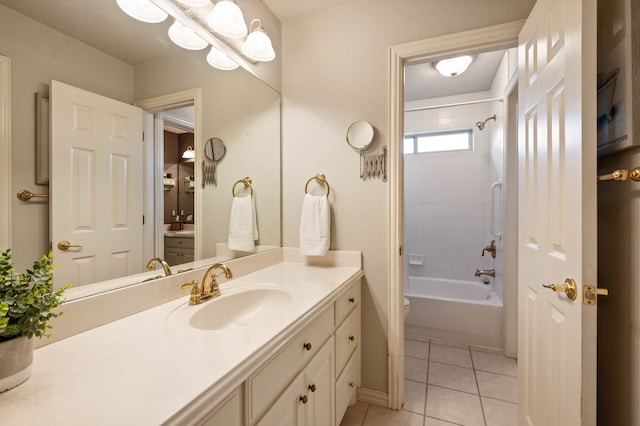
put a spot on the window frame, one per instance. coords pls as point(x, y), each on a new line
point(416, 136)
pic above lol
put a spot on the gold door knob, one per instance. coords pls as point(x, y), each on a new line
point(304, 399)
point(66, 245)
point(307, 346)
point(569, 288)
point(352, 384)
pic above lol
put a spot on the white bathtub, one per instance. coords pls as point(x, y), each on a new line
point(467, 312)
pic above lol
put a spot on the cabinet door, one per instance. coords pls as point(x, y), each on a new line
point(288, 409)
point(227, 413)
point(320, 387)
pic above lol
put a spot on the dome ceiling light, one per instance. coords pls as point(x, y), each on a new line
point(453, 67)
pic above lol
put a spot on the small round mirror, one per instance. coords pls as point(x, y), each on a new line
point(360, 135)
point(214, 149)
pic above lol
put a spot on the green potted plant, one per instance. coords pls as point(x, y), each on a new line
point(26, 303)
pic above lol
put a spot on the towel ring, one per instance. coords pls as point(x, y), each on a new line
point(320, 179)
point(247, 183)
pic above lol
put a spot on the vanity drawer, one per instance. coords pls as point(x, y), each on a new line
point(178, 242)
point(347, 387)
point(268, 382)
point(346, 302)
point(347, 339)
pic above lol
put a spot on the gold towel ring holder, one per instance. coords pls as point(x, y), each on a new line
point(246, 181)
point(320, 179)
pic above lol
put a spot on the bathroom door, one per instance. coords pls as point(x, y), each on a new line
point(557, 212)
point(96, 186)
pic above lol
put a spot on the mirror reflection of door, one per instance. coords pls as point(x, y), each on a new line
point(179, 185)
point(96, 186)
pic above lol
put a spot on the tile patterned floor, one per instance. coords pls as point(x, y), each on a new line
point(448, 384)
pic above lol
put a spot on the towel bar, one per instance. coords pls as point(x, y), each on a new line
point(247, 183)
point(320, 179)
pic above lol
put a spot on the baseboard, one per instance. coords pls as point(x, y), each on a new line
point(375, 397)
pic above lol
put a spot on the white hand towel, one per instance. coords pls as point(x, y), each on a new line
point(315, 224)
point(242, 225)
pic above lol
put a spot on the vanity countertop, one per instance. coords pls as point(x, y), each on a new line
point(145, 370)
point(179, 234)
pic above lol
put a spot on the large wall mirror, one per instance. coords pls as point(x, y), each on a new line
point(93, 46)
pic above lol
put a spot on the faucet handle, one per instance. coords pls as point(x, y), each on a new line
point(196, 294)
point(491, 248)
point(193, 284)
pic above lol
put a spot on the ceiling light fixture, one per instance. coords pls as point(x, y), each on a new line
point(143, 10)
point(258, 45)
point(220, 60)
point(453, 67)
point(184, 37)
point(195, 3)
point(189, 154)
point(226, 18)
point(198, 24)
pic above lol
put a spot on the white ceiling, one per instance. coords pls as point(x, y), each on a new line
point(286, 10)
point(101, 24)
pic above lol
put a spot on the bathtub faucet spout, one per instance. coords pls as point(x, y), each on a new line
point(489, 272)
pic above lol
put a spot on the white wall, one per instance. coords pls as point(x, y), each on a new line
point(447, 195)
point(335, 70)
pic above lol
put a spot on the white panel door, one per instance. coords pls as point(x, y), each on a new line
point(96, 186)
point(557, 208)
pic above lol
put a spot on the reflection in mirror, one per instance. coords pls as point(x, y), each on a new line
point(360, 135)
point(44, 46)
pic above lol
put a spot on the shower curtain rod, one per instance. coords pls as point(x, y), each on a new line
point(479, 101)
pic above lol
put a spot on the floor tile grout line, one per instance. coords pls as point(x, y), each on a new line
point(493, 372)
point(426, 385)
point(475, 376)
point(452, 365)
point(442, 420)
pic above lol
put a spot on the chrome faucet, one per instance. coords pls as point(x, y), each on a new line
point(165, 265)
point(490, 272)
point(210, 288)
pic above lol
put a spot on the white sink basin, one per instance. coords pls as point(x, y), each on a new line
point(252, 306)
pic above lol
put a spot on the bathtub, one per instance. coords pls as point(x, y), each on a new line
point(467, 312)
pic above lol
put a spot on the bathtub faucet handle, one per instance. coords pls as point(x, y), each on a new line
point(491, 248)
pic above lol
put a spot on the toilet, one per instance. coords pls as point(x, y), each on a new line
point(405, 308)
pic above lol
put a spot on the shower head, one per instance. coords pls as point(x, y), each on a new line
point(480, 124)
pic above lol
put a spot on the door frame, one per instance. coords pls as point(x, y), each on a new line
point(495, 37)
point(154, 240)
point(5, 152)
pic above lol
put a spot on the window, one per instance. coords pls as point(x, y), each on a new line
point(456, 140)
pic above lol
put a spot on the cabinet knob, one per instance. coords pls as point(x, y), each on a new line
point(352, 338)
point(312, 388)
point(304, 399)
point(352, 384)
point(307, 346)
point(352, 300)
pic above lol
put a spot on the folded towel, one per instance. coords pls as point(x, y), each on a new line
point(315, 224)
point(243, 228)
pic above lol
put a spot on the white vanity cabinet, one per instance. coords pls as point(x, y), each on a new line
point(347, 343)
point(308, 400)
point(313, 380)
point(178, 250)
point(228, 413)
